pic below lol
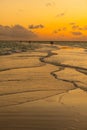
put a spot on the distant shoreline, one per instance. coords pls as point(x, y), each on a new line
point(38, 41)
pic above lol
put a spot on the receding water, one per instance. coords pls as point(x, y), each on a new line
point(42, 87)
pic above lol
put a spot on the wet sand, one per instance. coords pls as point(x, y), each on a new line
point(44, 89)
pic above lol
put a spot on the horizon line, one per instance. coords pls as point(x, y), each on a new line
point(43, 40)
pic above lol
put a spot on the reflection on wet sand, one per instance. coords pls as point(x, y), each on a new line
point(44, 89)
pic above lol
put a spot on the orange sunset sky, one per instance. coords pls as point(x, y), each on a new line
point(43, 20)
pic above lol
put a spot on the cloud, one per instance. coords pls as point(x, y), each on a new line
point(16, 32)
point(39, 26)
point(77, 33)
point(50, 4)
point(83, 28)
point(20, 10)
point(55, 31)
point(60, 29)
point(72, 23)
point(64, 28)
point(60, 15)
point(75, 27)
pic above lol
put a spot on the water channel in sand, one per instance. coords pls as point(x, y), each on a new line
point(44, 89)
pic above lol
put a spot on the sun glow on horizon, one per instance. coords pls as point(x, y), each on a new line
point(48, 19)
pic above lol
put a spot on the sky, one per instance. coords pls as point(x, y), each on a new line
point(43, 20)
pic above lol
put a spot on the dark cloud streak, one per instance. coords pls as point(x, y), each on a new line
point(77, 33)
point(60, 15)
point(60, 29)
point(40, 26)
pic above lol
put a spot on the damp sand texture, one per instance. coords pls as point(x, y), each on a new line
point(44, 89)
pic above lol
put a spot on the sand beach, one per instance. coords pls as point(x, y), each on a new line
point(44, 89)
